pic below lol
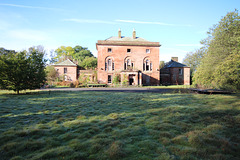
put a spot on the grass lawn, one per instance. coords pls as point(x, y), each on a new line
point(170, 86)
point(116, 125)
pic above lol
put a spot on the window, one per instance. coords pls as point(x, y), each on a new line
point(109, 78)
point(180, 71)
point(147, 50)
point(128, 50)
point(109, 64)
point(65, 70)
point(147, 65)
point(109, 49)
point(128, 64)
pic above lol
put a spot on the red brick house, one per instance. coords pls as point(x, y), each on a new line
point(175, 73)
point(135, 59)
point(67, 69)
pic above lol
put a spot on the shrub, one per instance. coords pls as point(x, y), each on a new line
point(116, 79)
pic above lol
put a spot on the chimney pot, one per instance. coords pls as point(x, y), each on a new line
point(175, 59)
point(134, 34)
point(119, 33)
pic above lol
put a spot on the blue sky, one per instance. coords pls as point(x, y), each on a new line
point(179, 26)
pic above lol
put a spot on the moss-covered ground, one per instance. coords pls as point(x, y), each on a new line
point(117, 125)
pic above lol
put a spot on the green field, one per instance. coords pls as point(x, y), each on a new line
point(114, 125)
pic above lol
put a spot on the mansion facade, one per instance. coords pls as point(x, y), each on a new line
point(134, 59)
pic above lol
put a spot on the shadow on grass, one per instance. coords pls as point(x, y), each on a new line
point(104, 125)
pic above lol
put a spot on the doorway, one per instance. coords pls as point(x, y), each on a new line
point(131, 79)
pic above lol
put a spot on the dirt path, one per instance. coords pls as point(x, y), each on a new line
point(156, 90)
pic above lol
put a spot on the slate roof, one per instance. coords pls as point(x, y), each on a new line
point(129, 39)
point(67, 62)
point(173, 63)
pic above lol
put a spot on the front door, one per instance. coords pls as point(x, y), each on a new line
point(131, 80)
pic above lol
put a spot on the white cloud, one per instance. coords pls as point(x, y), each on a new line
point(88, 21)
point(30, 7)
point(28, 34)
point(146, 22)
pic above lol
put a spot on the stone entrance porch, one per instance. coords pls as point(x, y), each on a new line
point(133, 78)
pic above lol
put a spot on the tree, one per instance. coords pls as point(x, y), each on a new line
point(80, 54)
point(89, 63)
point(162, 64)
point(64, 52)
point(222, 55)
point(23, 70)
point(193, 59)
point(5, 51)
point(52, 74)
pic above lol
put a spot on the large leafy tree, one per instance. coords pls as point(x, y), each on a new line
point(220, 67)
point(89, 63)
point(64, 52)
point(82, 55)
point(193, 59)
point(23, 70)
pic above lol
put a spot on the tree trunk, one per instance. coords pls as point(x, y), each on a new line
point(17, 91)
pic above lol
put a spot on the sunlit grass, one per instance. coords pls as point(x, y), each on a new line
point(170, 86)
point(111, 125)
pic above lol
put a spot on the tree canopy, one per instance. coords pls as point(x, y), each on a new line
point(220, 66)
point(82, 55)
point(22, 70)
point(193, 59)
point(89, 63)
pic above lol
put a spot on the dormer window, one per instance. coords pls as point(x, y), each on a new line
point(109, 50)
point(147, 50)
point(128, 50)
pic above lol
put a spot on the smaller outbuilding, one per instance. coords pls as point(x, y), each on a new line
point(175, 73)
point(67, 69)
point(70, 71)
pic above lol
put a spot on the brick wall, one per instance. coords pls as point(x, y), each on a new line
point(137, 55)
point(172, 76)
point(71, 72)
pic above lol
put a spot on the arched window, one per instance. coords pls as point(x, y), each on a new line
point(109, 64)
point(147, 65)
point(128, 64)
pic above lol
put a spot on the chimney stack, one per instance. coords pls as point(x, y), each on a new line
point(134, 34)
point(119, 33)
point(175, 59)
